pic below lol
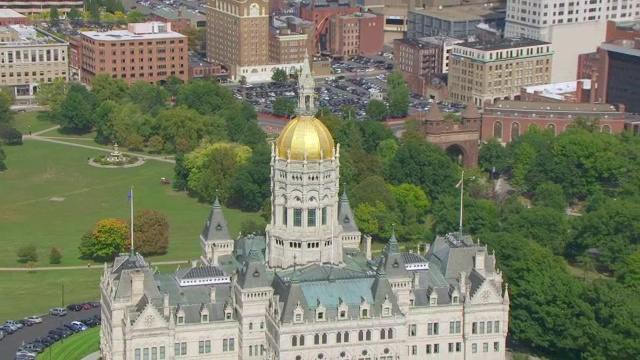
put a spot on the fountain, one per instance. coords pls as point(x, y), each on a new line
point(116, 157)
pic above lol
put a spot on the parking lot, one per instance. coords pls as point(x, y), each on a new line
point(11, 343)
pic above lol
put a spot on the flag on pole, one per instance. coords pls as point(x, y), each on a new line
point(459, 183)
point(130, 195)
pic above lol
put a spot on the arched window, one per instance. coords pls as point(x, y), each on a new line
point(368, 335)
point(316, 339)
point(301, 340)
point(497, 129)
point(361, 335)
point(338, 337)
point(383, 334)
point(347, 336)
point(390, 334)
point(606, 129)
point(294, 341)
point(552, 128)
point(262, 325)
point(515, 131)
point(250, 326)
point(324, 338)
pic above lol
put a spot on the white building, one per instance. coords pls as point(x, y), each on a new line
point(306, 290)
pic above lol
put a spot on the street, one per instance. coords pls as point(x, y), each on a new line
point(10, 344)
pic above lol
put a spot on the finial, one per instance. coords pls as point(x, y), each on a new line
point(344, 192)
point(393, 239)
point(216, 202)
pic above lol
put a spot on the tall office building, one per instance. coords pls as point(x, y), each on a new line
point(238, 36)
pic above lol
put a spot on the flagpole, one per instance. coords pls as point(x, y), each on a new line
point(131, 210)
point(461, 201)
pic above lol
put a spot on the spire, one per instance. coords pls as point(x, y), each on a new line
point(434, 113)
point(505, 298)
point(345, 214)
point(306, 89)
point(392, 245)
point(344, 193)
point(392, 263)
point(216, 227)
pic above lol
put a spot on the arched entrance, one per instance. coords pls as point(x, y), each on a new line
point(456, 153)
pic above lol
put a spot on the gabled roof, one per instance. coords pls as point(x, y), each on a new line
point(199, 272)
point(471, 111)
point(253, 274)
point(345, 214)
point(434, 113)
point(216, 227)
point(392, 262)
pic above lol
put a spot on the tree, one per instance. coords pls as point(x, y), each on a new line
point(55, 256)
point(108, 238)
point(493, 157)
point(376, 110)
point(53, 94)
point(250, 186)
point(284, 106)
point(587, 263)
point(181, 172)
point(398, 95)
point(149, 98)
point(135, 16)
point(113, 6)
point(54, 16)
point(10, 135)
point(107, 88)
point(550, 195)
point(156, 144)
point(27, 253)
point(76, 110)
point(6, 114)
point(412, 202)
point(173, 85)
point(150, 232)
point(204, 96)
point(279, 75)
point(373, 189)
point(134, 142)
point(181, 128)
point(242, 81)
point(3, 158)
point(373, 133)
point(253, 226)
point(75, 16)
point(377, 220)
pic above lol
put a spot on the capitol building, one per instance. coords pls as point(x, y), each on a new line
point(309, 289)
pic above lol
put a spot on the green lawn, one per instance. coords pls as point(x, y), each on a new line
point(39, 171)
point(75, 347)
point(58, 133)
point(30, 118)
point(34, 293)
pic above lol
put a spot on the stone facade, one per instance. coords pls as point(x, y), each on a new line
point(287, 297)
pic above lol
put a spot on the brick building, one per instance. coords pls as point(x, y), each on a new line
point(588, 65)
point(619, 73)
point(356, 34)
point(145, 51)
point(9, 17)
point(578, 91)
point(416, 59)
point(289, 38)
point(506, 120)
point(319, 12)
point(200, 68)
point(29, 7)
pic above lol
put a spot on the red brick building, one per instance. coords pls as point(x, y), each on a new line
point(356, 34)
point(200, 68)
point(506, 120)
point(319, 11)
point(145, 51)
point(10, 17)
point(416, 59)
point(588, 65)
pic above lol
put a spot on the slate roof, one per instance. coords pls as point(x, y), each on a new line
point(412, 258)
point(392, 262)
point(216, 227)
point(345, 214)
point(199, 272)
point(253, 274)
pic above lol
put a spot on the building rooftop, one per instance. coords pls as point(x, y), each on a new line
point(326, 3)
point(8, 13)
point(464, 12)
point(41, 37)
point(283, 20)
point(501, 44)
point(122, 35)
point(358, 15)
point(561, 109)
point(558, 91)
point(626, 47)
point(174, 14)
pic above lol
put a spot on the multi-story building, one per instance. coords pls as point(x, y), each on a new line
point(30, 57)
point(200, 68)
point(483, 71)
point(9, 17)
point(588, 65)
point(578, 91)
point(145, 51)
point(319, 11)
point(454, 21)
point(356, 34)
point(506, 120)
point(180, 18)
point(307, 290)
point(238, 37)
point(619, 73)
point(416, 59)
point(289, 39)
point(29, 7)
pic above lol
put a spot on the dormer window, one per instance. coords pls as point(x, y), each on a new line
point(205, 318)
point(364, 309)
point(365, 313)
point(180, 319)
point(227, 314)
point(386, 311)
point(298, 314)
point(320, 316)
point(321, 312)
point(298, 317)
point(343, 314)
point(433, 300)
point(456, 300)
point(218, 227)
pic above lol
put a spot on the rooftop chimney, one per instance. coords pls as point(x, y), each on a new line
point(579, 91)
point(137, 286)
point(478, 263)
point(212, 294)
point(165, 305)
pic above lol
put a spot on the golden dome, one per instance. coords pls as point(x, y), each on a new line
point(305, 134)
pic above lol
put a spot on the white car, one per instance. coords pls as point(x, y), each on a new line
point(34, 319)
point(80, 325)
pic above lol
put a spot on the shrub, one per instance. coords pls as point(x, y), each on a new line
point(27, 253)
point(10, 135)
point(55, 256)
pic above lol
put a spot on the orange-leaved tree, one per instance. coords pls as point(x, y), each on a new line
point(108, 238)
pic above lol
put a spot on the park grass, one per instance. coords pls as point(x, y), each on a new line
point(75, 347)
point(31, 118)
point(38, 171)
point(26, 293)
point(59, 133)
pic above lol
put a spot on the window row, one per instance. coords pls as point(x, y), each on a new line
point(311, 217)
point(344, 337)
point(485, 347)
point(152, 353)
point(487, 327)
point(180, 348)
point(433, 328)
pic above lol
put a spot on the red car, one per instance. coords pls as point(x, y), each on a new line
point(86, 306)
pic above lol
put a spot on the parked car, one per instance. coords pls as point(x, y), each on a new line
point(2, 334)
point(34, 319)
point(44, 341)
point(74, 307)
point(54, 337)
point(86, 306)
point(25, 355)
point(33, 347)
point(74, 329)
point(9, 329)
point(94, 304)
point(25, 322)
point(89, 322)
point(59, 333)
point(58, 311)
point(14, 323)
point(79, 325)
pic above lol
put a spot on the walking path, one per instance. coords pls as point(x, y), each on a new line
point(53, 268)
point(42, 138)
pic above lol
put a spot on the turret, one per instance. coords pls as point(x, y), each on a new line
point(215, 239)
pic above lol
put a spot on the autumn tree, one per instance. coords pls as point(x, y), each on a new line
point(156, 144)
point(150, 232)
point(134, 142)
point(27, 254)
point(55, 256)
point(107, 239)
